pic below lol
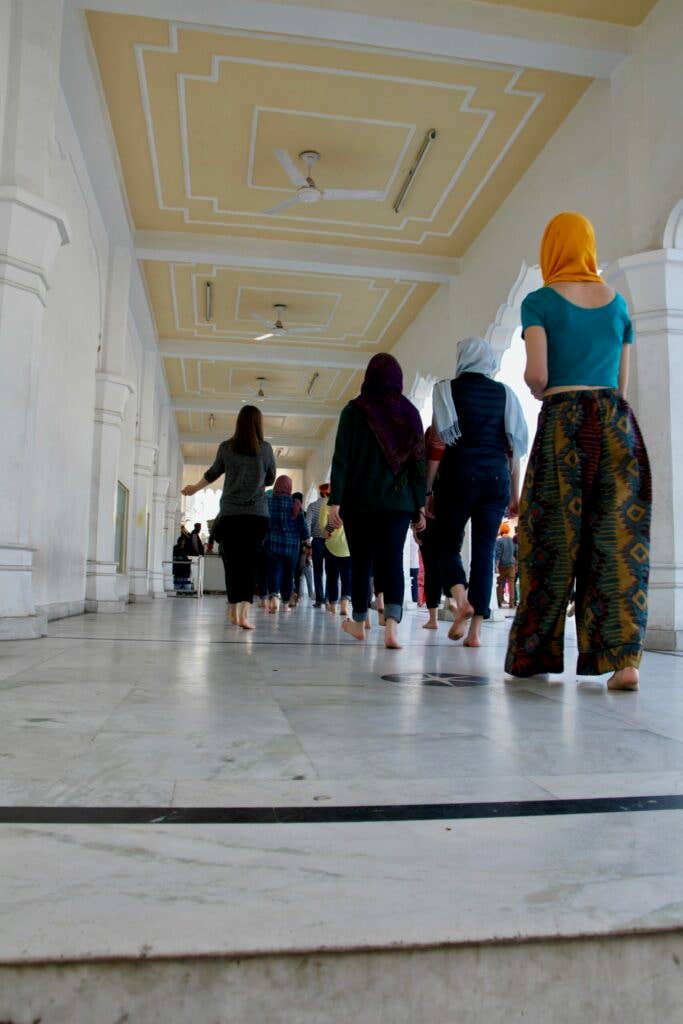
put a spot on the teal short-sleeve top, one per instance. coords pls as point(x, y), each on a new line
point(584, 345)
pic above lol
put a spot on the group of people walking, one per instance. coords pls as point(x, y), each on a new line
point(583, 513)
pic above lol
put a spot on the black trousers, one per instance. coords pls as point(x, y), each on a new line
point(318, 563)
point(336, 569)
point(241, 553)
point(482, 498)
point(431, 559)
point(378, 542)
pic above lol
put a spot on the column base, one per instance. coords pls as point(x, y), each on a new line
point(105, 607)
point(664, 639)
point(140, 598)
point(23, 627)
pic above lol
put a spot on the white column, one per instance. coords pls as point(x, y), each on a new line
point(141, 523)
point(31, 233)
point(653, 284)
point(112, 392)
point(159, 550)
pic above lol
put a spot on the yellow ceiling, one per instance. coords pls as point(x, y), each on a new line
point(196, 115)
point(354, 312)
point(621, 12)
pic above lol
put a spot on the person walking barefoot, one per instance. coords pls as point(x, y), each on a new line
point(377, 489)
point(484, 435)
point(242, 522)
point(584, 522)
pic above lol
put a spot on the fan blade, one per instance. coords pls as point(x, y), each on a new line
point(262, 319)
point(304, 330)
point(351, 193)
point(283, 206)
point(262, 337)
point(296, 176)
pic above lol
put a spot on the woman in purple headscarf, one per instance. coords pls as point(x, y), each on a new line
point(378, 489)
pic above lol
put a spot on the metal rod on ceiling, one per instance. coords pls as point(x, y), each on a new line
point(208, 302)
point(410, 177)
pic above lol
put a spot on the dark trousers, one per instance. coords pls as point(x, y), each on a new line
point(281, 569)
point(336, 569)
point(431, 558)
point(482, 499)
point(413, 583)
point(378, 542)
point(318, 563)
point(241, 551)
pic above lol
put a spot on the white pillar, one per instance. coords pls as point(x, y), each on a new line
point(141, 524)
point(653, 284)
point(159, 550)
point(31, 233)
point(112, 392)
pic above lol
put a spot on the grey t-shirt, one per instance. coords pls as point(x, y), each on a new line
point(246, 477)
point(505, 551)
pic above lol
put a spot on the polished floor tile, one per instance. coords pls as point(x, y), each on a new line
point(167, 706)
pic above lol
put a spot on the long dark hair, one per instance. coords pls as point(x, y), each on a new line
point(248, 436)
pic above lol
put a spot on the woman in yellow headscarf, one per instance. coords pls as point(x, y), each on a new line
point(585, 513)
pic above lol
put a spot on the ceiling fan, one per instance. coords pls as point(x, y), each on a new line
point(277, 327)
point(306, 189)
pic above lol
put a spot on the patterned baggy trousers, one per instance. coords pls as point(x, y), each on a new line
point(585, 523)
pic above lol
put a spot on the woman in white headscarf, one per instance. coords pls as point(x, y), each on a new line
point(482, 425)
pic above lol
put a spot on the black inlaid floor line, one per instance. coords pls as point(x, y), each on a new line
point(63, 815)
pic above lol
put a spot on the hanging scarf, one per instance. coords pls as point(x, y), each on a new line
point(393, 419)
point(476, 356)
point(568, 251)
point(283, 489)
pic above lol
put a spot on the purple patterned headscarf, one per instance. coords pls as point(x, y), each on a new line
point(393, 419)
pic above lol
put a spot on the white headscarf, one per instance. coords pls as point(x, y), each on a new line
point(476, 356)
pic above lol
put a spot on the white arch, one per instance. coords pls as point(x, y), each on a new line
point(501, 331)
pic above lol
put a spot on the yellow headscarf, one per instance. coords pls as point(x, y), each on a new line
point(568, 250)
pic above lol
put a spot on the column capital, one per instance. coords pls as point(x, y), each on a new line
point(160, 488)
point(111, 396)
point(32, 231)
point(145, 454)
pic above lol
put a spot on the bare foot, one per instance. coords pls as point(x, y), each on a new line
point(461, 613)
point(243, 615)
point(432, 622)
point(274, 605)
point(344, 608)
point(331, 608)
point(232, 614)
point(391, 637)
point(474, 635)
point(624, 679)
point(368, 623)
point(353, 628)
point(472, 642)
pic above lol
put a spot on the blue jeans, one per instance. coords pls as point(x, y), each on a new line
point(318, 562)
point(334, 569)
point(377, 542)
point(281, 569)
point(482, 498)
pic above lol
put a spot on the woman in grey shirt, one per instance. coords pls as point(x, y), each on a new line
point(242, 523)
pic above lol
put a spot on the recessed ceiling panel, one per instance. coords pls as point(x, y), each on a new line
point(197, 114)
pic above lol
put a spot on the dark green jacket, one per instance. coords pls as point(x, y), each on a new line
point(361, 477)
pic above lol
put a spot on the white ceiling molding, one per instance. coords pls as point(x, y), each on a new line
point(257, 352)
point(276, 440)
point(268, 406)
point(577, 54)
point(276, 254)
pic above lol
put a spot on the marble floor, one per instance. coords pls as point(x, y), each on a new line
point(166, 706)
